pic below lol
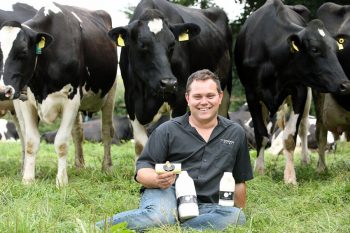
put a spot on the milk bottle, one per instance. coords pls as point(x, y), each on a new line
point(186, 197)
point(227, 189)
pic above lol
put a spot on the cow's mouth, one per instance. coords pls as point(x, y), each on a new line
point(168, 90)
point(165, 94)
point(7, 93)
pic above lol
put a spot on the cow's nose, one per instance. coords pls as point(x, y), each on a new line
point(345, 87)
point(168, 84)
point(6, 93)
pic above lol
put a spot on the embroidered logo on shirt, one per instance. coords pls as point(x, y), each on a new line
point(228, 142)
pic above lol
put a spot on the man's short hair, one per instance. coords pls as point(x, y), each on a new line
point(204, 74)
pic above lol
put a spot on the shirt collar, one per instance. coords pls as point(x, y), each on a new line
point(184, 120)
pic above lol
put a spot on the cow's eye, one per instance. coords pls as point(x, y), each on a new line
point(21, 56)
point(315, 50)
point(143, 46)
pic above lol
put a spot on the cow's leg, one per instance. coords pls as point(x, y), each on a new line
point(304, 129)
point(69, 114)
point(260, 131)
point(321, 131)
point(108, 127)
point(289, 139)
point(140, 136)
point(298, 100)
point(20, 130)
point(78, 137)
point(28, 118)
point(225, 104)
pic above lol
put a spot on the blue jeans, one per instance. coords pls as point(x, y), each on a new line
point(158, 208)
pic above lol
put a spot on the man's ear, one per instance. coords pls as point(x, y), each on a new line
point(119, 35)
point(185, 31)
point(186, 96)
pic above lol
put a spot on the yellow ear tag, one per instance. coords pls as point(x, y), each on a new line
point(295, 48)
point(41, 43)
point(340, 43)
point(120, 41)
point(184, 36)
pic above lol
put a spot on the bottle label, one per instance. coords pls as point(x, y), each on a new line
point(226, 195)
point(187, 199)
point(168, 167)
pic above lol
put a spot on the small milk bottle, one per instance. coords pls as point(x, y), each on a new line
point(227, 189)
point(186, 197)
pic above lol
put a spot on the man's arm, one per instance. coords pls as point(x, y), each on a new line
point(150, 179)
point(240, 195)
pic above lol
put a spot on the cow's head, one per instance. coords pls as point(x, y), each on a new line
point(313, 53)
point(19, 48)
point(150, 42)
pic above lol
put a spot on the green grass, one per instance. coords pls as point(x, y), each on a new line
point(319, 203)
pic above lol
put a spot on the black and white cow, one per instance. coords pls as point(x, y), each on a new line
point(65, 57)
point(276, 147)
point(162, 45)
point(123, 131)
point(278, 54)
point(20, 12)
point(333, 111)
point(243, 117)
point(8, 131)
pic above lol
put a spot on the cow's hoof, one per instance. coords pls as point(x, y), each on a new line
point(290, 179)
point(28, 181)
point(79, 166)
point(107, 168)
point(61, 181)
point(305, 161)
point(259, 169)
point(321, 169)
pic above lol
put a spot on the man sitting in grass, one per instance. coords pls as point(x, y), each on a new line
point(206, 145)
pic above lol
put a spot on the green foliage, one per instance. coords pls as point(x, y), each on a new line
point(319, 203)
point(121, 228)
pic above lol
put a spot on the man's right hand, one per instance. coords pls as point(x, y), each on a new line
point(150, 179)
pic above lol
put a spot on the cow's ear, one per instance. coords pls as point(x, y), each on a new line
point(294, 43)
point(42, 41)
point(118, 35)
point(185, 31)
point(340, 41)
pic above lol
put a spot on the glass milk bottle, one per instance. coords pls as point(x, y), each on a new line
point(227, 189)
point(186, 197)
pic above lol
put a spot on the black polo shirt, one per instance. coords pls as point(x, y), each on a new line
point(178, 142)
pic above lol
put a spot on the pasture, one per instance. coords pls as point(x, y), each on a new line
point(319, 203)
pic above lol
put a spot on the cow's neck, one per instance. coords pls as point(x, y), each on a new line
point(204, 130)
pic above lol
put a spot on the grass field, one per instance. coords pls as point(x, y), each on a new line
point(319, 203)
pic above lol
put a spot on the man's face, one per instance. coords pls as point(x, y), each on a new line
point(203, 100)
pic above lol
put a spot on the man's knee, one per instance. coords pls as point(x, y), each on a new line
point(234, 216)
point(163, 216)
